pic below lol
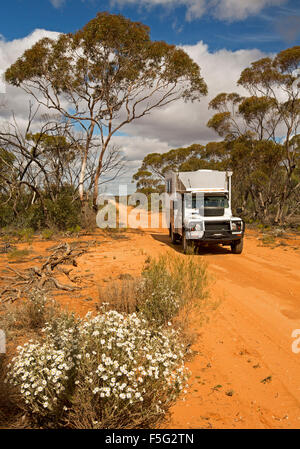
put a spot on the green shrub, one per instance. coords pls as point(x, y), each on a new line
point(159, 295)
point(64, 212)
point(74, 229)
point(7, 216)
point(170, 284)
point(47, 234)
point(32, 217)
point(26, 235)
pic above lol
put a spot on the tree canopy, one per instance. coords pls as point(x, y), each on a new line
point(268, 116)
point(106, 75)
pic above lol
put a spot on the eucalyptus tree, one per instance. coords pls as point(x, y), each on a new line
point(105, 76)
point(270, 113)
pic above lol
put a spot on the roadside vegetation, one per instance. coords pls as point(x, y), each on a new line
point(112, 369)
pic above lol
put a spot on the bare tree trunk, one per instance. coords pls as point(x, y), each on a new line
point(81, 180)
point(96, 183)
point(97, 175)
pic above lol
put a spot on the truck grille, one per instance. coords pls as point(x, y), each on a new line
point(213, 211)
point(217, 225)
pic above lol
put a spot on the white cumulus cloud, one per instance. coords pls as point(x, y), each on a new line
point(15, 99)
point(178, 124)
point(181, 124)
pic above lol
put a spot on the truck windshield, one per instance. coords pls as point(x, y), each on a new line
point(216, 201)
point(209, 201)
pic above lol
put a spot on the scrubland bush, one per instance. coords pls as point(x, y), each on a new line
point(122, 296)
point(107, 371)
point(74, 229)
point(26, 234)
point(31, 314)
point(47, 234)
point(169, 285)
point(61, 212)
point(10, 412)
point(64, 212)
point(129, 374)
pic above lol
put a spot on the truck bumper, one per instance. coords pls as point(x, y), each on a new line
point(214, 236)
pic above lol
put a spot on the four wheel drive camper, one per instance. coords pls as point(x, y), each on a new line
point(200, 209)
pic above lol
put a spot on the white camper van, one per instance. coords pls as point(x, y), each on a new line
point(200, 209)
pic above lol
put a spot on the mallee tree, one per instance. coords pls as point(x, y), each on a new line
point(105, 76)
point(266, 123)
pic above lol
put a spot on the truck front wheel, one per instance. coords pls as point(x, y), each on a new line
point(237, 246)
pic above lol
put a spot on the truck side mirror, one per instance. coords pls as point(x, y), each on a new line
point(239, 210)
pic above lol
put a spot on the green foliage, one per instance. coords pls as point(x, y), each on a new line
point(220, 123)
point(26, 235)
point(33, 217)
point(47, 234)
point(74, 229)
point(169, 285)
point(64, 212)
point(150, 176)
point(6, 212)
point(266, 173)
point(128, 57)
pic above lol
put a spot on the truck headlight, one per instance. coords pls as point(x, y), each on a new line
point(237, 226)
point(195, 227)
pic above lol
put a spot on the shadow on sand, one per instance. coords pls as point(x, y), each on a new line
point(201, 251)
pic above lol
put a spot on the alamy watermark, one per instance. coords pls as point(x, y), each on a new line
point(296, 342)
point(2, 83)
point(141, 211)
point(2, 342)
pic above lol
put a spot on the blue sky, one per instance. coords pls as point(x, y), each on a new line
point(268, 28)
point(222, 36)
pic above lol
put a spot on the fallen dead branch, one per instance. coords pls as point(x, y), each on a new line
point(45, 277)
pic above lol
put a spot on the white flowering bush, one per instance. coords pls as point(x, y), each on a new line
point(63, 331)
point(107, 371)
point(129, 373)
point(42, 373)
